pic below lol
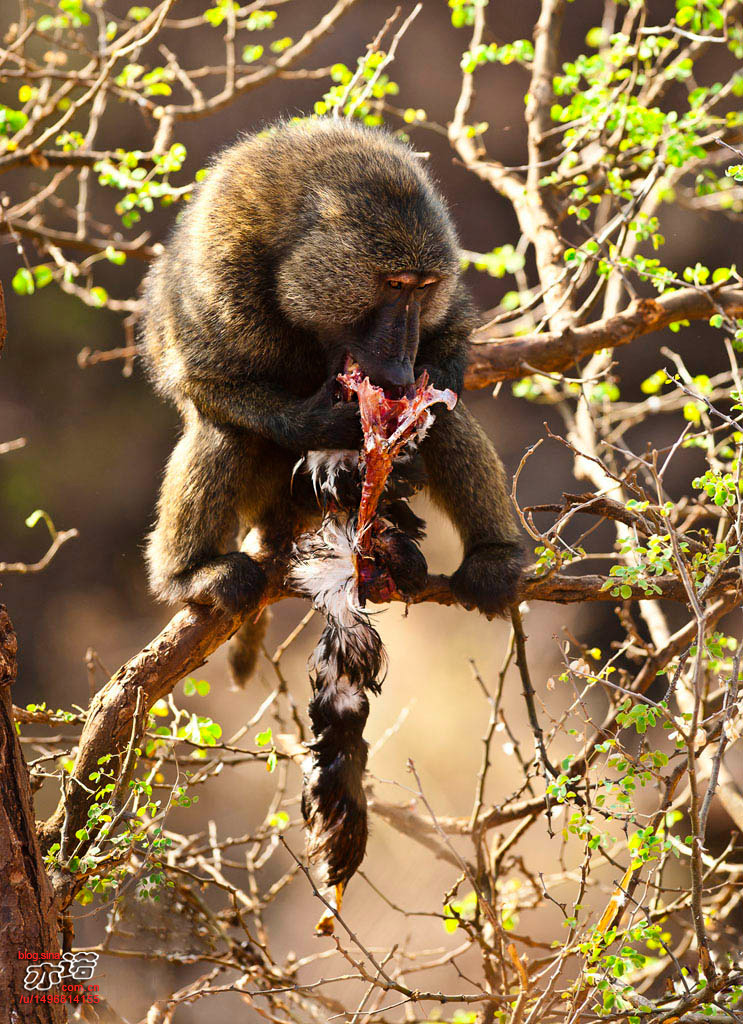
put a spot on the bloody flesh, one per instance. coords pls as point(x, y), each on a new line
point(388, 425)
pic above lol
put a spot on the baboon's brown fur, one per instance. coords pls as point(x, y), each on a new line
point(282, 264)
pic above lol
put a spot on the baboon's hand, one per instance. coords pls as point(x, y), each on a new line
point(328, 425)
point(440, 378)
point(488, 578)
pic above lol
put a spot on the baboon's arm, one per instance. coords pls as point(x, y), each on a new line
point(300, 424)
point(467, 480)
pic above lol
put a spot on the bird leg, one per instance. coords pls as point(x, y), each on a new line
point(326, 924)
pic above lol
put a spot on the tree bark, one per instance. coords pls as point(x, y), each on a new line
point(553, 351)
point(28, 913)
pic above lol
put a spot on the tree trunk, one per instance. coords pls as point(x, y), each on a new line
point(28, 918)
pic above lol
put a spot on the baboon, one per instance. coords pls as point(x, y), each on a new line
point(308, 244)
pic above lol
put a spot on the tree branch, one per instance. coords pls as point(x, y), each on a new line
point(552, 351)
point(29, 567)
point(136, 248)
point(29, 912)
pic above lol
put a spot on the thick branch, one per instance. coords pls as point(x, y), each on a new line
point(29, 916)
point(546, 64)
point(539, 213)
point(513, 358)
point(184, 645)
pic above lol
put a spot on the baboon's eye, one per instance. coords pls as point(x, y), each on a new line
point(402, 279)
point(427, 284)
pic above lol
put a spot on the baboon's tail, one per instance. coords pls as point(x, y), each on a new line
point(245, 646)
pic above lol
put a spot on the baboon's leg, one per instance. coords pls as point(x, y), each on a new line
point(270, 531)
point(213, 478)
point(467, 480)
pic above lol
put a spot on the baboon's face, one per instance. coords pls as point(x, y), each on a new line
point(384, 344)
point(366, 282)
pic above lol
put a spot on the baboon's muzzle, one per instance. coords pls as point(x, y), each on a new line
point(387, 354)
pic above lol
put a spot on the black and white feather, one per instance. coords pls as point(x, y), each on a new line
point(323, 570)
point(348, 661)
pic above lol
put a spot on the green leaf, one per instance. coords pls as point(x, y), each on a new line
point(115, 255)
point(596, 37)
point(23, 282)
point(450, 922)
point(251, 54)
point(721, 274)
point(693, 412)
point(279, 45)
point(11, 121)
point(34, 518)
point(42, 276)
point(264, 738)
point(684, 16)
point(259, 20)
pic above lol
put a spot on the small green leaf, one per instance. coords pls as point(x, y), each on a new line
point(721, 274)
point(23, 282)
point(34, 518)
point(115, 255)
point(264, 738)
point(251, 54)
point(42, 276)
point(684, 15)
point(692, 412)
point(450, 922)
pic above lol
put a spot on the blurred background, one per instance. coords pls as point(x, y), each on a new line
point(97, 443)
